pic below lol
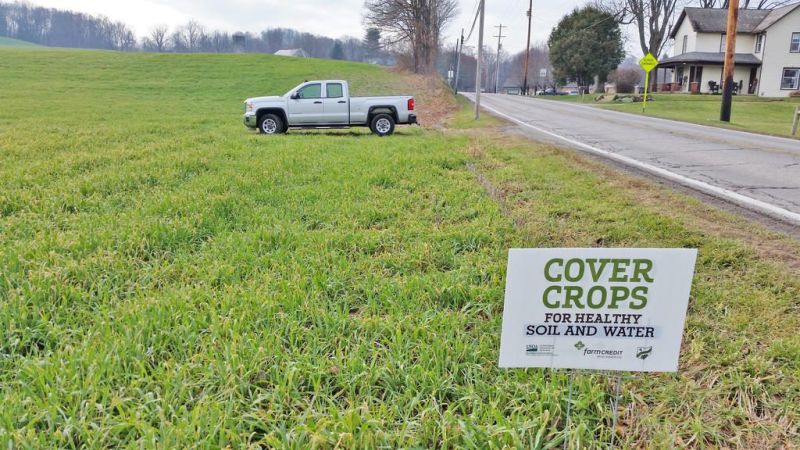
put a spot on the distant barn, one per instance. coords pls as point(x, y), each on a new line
point(296, 52)
point(238, 42)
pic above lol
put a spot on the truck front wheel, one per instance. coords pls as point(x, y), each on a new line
point(382, 125)
point(270, 124)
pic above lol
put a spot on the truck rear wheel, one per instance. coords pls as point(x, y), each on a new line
point(382, 125)
point(270, 124)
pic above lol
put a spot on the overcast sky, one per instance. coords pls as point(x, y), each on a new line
point(333, 18)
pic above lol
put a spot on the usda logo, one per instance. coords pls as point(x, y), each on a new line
point(643, 352)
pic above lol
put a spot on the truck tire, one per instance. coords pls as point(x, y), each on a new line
point(270, 124)
point(382, 125)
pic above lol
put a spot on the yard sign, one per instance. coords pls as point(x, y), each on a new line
point(648, 63)
point(601, 309)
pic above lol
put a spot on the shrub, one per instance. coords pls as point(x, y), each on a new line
point(625, 79)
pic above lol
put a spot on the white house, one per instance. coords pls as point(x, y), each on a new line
point(767, 51)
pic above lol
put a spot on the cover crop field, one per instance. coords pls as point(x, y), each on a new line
point(169, 279)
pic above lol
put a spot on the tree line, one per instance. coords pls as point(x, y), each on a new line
point(52, 27)
point(57, 28)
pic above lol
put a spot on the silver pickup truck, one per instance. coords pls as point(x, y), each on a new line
point(327, 104)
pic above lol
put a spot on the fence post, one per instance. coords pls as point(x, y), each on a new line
point(796, 120)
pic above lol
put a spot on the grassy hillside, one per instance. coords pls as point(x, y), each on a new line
point(8, 42)
point(170, 279)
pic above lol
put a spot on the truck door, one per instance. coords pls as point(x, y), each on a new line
point(335, 105)
point(306, 107)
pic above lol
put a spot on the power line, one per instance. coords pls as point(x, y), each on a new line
point(475, 20)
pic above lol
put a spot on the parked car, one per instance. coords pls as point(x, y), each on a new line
point(327, 104)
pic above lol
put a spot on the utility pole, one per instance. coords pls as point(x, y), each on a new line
point(499, 46)
point(478, 63)
point(730, 61)
point(527, 50)
point(458, 61)
point(451, 79)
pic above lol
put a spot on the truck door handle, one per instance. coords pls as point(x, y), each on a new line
point(341, 101)
point(317, 103)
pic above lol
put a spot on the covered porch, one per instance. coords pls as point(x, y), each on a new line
point(701, 73)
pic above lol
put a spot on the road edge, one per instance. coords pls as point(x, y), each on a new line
point(716, 191)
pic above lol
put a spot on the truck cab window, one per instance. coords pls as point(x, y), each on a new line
point(310, 91)
point(334, 90)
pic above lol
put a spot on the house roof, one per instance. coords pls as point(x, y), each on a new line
point(742, 59)
point(715, 20)
point(775, 15)
point(299, 52)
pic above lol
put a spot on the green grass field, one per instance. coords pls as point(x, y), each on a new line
point(749, 113)
point(169, 279)
point(9, 42)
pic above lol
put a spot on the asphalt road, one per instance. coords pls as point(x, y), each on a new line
point(757, 172)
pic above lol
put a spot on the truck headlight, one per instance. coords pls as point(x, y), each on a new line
point(248, 107)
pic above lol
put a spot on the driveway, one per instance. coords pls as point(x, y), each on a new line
point(757, 172)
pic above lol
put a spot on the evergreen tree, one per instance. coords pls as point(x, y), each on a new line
point(372, 42)
point(586, 43)
point(337, 52)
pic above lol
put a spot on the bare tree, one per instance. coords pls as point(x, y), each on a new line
point(652, 19)
point(220, 41)
point(192, 34)
point(416, 24)
point(539, 60)
point(158, 38)
point(178, 42)
point(122, 37)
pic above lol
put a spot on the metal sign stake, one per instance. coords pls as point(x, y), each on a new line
point(614, 405)
point(569, 410)
point(615, 409)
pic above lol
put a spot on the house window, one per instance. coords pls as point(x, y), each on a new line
point(795, 46)
point(791, 79)
point(722, 42)
point(685, 43)
point(759, 43)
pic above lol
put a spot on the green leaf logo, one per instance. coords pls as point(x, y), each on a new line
point(643, 352)
point(579, 345)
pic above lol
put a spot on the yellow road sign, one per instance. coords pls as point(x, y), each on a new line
point(648, 63)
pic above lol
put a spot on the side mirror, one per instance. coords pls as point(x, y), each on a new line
point(295, 96)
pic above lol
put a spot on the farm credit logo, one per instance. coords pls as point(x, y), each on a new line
point(594, 308)
point(598, 352)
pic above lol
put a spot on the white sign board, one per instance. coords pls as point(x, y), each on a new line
point(596, 308)
point(542, 73)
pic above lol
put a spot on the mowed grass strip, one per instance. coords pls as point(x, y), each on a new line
point(169, 279)
point(749, 113)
